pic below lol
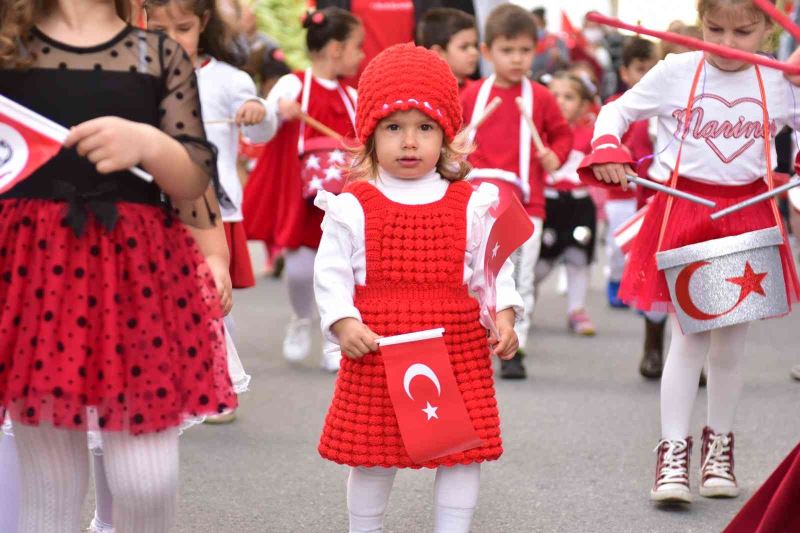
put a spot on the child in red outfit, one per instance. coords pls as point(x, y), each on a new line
point(400, 252)
point(452, 34)
point(509, 44)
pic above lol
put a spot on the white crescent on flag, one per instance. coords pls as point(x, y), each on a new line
point(418, 369)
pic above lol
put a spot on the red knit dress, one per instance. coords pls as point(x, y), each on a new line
point(414, 281)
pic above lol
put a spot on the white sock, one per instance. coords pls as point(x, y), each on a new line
point(368, 492)
point(455, 495)
point(103, 513)
point(681, 379)
point(577, 278)
point(54, 468)
point(9, 484)
point(143, 477)
point(299, 272)
point(725, 376)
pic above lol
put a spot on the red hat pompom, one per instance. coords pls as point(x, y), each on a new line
point(402, 77)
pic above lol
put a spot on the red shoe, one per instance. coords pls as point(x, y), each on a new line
point(716, 471)
point(672, 471)
point(581, 324)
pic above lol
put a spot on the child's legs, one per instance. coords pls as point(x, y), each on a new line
point(9, 484)
point(543, 269)
point(299, 272)
point(525, 259)
point(455, 494)
point(618, 212)
point(368, 492)
point(725, 375)
point(54, 470)
point(577, 278)
point(143, 477)
point(103, 513)
point(681, 379)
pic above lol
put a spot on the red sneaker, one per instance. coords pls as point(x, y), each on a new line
point(716, 466)
point(672, 471)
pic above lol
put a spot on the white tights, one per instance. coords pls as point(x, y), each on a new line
point(142, 474)
point(577, 276)
point(299, 272)
point(723, 348)
point(455, 494)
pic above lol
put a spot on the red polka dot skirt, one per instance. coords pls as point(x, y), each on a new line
point(126, 322)
point(414, 281)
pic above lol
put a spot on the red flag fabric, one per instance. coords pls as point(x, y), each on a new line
point(27, 141)
point(773, 508)
point(427, 402)
point(322, 166)
point(511, 228)
point(575, 36)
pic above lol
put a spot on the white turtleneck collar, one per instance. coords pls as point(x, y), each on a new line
point(423, 190)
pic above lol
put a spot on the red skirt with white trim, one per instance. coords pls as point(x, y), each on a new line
point(645, 287)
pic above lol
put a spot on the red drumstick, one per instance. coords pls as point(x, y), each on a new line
point(696, 44)
point(778, 16)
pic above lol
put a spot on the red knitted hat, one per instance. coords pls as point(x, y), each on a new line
point(405, 77)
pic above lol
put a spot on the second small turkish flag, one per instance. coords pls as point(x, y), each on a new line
point(427, 402)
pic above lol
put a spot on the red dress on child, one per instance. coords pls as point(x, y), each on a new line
point(414, 281)
point(274, 208)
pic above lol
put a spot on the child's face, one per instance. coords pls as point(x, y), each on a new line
point(180, 24)
point(636, 70)
point(570, 103)
point(348, 54)
point(408, 144)
point(462, 53)
point(512, 57)
point(735, 27)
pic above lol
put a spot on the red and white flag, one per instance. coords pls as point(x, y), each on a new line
point(627, 232)
point(427, 402)
point(511, 228)
point(27, 141)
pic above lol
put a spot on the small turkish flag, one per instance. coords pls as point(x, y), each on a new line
point(625, 235)
point(27, 141)
point(511, 228)
point(427, 402)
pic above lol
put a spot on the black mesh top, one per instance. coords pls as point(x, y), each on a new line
point(137, 75)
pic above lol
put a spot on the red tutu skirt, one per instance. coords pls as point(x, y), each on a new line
point(125, 322)
point(241, 268)
point(645, 287)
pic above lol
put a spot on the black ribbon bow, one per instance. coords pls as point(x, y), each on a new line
point(82, 203)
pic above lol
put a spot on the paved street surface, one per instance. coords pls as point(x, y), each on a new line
point(578, 436)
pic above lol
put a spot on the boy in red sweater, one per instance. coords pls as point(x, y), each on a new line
point(505, 151)
point(638, 57)
point(452, 34)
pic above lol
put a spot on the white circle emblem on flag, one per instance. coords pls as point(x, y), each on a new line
point(13, 153)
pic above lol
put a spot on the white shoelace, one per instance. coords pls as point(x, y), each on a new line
point(718, 459)
point(674, 468)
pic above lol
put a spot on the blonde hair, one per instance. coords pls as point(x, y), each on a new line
point(681, 28)
point(706, 6)
point(452, 164)
point(17, 17)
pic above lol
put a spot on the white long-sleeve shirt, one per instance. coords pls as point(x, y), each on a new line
point(341, 261)
point(725, 143)
point(223, 89)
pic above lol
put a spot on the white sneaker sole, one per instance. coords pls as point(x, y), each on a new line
point(719, 492)
point(671, 496)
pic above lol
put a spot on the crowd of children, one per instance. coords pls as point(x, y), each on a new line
point(380, 204)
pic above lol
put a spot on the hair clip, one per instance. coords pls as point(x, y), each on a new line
point(318, 17)
point(278, 55)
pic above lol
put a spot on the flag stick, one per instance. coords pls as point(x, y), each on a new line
point(697, 44)
point(756, 199)
point(669, 190)
point(537, 140)
point(220, 121)
point(320, 127)
point(778, 16)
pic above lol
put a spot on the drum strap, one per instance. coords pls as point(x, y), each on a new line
point(306, 98)
point(686, 125)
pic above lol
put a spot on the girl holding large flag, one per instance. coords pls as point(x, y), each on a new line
point(719, 146)
point(400, 252)
point(110, 314)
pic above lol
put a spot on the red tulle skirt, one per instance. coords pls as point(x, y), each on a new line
point(241, 268)
point(125, 322)
point(645, 287)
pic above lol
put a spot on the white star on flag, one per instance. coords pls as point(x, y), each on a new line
point(494, 250)
point(315, 184)
point(337, 156)
point(332, 173)
point(312, 161)
point(430, 411)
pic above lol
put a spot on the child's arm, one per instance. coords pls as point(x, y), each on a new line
point(248, 110)
point(557, 132)
point(214, 247)
point(334, 278)
point(507, 345)
point(281, 103)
